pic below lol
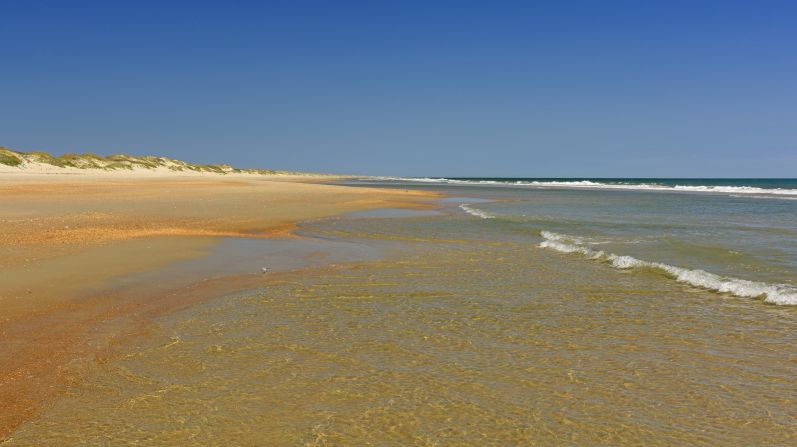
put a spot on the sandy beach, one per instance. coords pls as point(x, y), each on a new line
point(64, 237)
point(457, 314)
point(398, 224)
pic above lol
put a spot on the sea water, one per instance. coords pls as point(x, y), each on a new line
point(518, 314)
point(730, 236)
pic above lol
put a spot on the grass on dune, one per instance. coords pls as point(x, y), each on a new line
point(120, 162)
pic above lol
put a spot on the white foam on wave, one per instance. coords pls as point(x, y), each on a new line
point(656, 187)
point(771, 293)
point(476, 212)
point(441, 180)
point(566, 238)
point(588, 184)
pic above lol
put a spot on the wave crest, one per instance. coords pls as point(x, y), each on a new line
point(746, 191)
point(771, 293)
point(476, 212)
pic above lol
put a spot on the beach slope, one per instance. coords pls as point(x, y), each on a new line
point(65, 234)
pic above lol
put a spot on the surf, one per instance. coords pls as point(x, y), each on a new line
point(685, 185)
point(779, 294)
point(476, 212)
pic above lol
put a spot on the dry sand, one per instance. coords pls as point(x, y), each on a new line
point(63, 237)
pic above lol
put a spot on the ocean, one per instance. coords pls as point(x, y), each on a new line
point(734, 236)
point(764, 187)
point(514, 312)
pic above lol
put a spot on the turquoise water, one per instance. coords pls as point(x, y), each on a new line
point(732, 236)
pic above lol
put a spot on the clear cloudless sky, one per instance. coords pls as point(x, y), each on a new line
point(413, 88)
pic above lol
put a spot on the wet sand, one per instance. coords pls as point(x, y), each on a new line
point(65, 240)
point(451, 336)
point(416, 323)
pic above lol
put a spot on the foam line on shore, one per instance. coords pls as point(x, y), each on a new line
point(771, 293)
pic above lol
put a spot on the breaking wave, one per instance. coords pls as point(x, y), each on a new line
point(590, 184)
point(771, 293)
point(476, 212)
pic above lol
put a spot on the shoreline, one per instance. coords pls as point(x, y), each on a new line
point(64, 239)
point(366, 320)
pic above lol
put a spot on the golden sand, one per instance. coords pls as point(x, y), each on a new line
point(447, 344)
point(63, 237)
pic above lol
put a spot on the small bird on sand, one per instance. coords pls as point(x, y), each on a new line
point(265, 270)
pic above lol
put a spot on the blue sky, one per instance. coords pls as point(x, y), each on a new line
point(545, 88)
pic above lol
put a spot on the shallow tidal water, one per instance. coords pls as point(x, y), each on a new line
point(467, 330)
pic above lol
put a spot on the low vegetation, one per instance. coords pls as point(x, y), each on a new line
point(9, 157)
